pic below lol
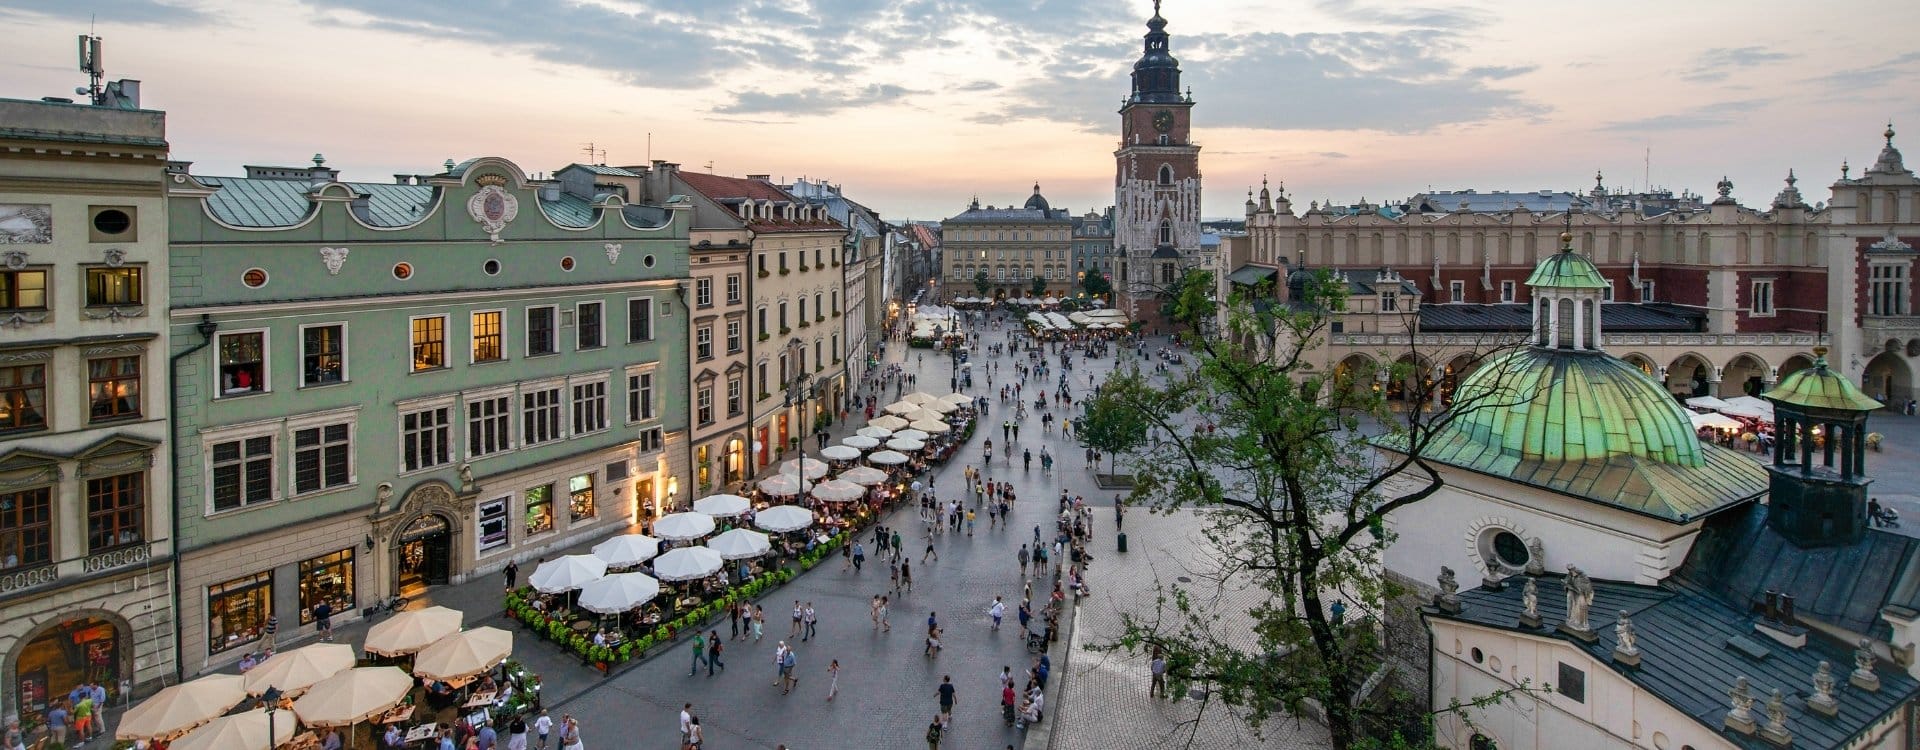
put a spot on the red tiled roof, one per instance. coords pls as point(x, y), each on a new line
point(924, 234)
point(721, 188)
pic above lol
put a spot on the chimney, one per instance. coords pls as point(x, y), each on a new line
point(760, 177)
point(550, 191)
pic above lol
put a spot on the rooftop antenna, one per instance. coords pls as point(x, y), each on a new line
point(90, 64)
point(709, 166)
point(1646, 178)
point(589, 149)
point(649, 147)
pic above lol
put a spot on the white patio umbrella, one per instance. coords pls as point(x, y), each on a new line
point(888, 422)
point(566, 573)
point(839, 491)
point(878, 433)
point(1761, 405)
point(681, 527)
point(904, 445)
point(297, 670)
point(352, 696)
point(937, 428)
point(924, 415)
point(860, 442)
point(686, 564)
point(901, 407)
point(740, 544)
point(618, 593)
point(941, 407)
point(1707, 402)
point(864, 475)
point(919, 397)
point(627, 550)
point(1717, 421)
point(911, 434)
point(840, 452)
point(783, 518)
point(178, 709)
point(887, 458)
point(722, 506)
point(463, 654)
point(781, 485)
point(958, 399)
point(247, 730)
point(412, 630)
point(815, 468)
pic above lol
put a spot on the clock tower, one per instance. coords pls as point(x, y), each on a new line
point(1156, 189)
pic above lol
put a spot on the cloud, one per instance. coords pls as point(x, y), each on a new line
point(1330, 155)
point(1906, 66)
point(1498, 72)
point(978, 86)
point(815, 101)
point(1704, 116)
point(1716, 64)
point(1355, 12)
point(109, 12)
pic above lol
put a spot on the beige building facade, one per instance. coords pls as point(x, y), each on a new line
point(1012, 247)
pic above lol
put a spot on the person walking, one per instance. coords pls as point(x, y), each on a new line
point(893, 574)
point(100, 704)
point(695, 736)
point(808, 620)
point(686, 722)
point(323, 619)
point(933, 733)
point(779, 663)
point(1157, 683)
point(570, 734)
point(997, 611)
point(794, 630)
point(946, 694)
point(733, 618)
point(859, 557)
point(906, 578)
point(699, 655)
point(713, 653)
point(1023, 554)
point(786, 672)
point(517, 734)
point(833, 680)
point(542, 727)
point(511, 572)
point(269, 633)
point(885, 626)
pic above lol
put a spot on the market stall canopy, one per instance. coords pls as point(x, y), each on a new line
point(627, 550)
point(722, 506)
point(861, 442)
point(412, 630)
point(1748, 412)
point(176, 710)
point(841, 452)
point(618, 593)
point(568, 572)
point(1716, 421)
point(888, 458)
point(839, 491)
point(864, 475)
point(681, 527)
point(784, 518)
point(815, 468)
point(873, 431)
point(1753, 403)
point(243, 730)
point(936, 428)
point(904, 445)
point(901, 407)
point(464, 654)
point(297, 670)
point(353, 696)
point(1707, 402)
point(888, 422)
point(740, 544)
point(687, 564)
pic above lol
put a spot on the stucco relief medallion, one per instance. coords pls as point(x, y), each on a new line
point(493, 208)
point(613, 252)
point(115, 257)
point(14, 259)
point(335, 258)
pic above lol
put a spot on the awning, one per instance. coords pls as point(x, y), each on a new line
point(1251, 275)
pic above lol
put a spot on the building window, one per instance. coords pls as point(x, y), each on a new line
point(540, 416)
point(1889, 290)
point(1166, 232)
point(639, 320)
point(322, 458)
point(23, 290)
point(26, 528)
point(492, 525)
point(733, 289)
point(116, 511)
point(1572, 683)
point(113, 286)
point(1506, 291)
point(1389, 302)
point(580, 496)
point(587, 335)
point(237, 610)
point(323, 354)
point(113, 388)
point(589, 407)
point(1763, 297)
point(1606, 292)
point(429, 343)
point(539, 509)
point(426, 438)
point(489, 425)
point(733, 337)
point(703, 406)
point(703, 292)
point(23, 397)
point(328, 579)
point(650, 440)
point(243, 363)
point(703, 342)
point(783, 317)
point(487, 345)
point(1456, 291)
point(540, 331)
point(803, 309)
point(242, 472)
point(734, 397)
point(1646, 291)
point(640, 405)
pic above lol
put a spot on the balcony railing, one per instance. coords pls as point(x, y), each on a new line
point(115, 558)
point(17, 580)
point(20, 579)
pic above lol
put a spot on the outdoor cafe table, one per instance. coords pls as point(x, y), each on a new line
point(479, 699)
point(422, 733)
point(399, 714)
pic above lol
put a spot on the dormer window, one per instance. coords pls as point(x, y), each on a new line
point(1389, 302)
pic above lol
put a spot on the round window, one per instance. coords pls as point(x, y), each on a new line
point(647, 261)
point(1478, 657)
point(112, 221)
point(1511, 550)
point(1494, 663)
point(492, 267)
point(403, 271)
point(254, 278)
point(566, 264)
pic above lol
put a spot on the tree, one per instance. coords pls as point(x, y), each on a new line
point(1038, 285)
point(1096, 284)
point(980, 282)
point(1300, 492)
point(1108, 426)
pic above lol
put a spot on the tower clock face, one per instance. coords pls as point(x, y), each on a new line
point(1163, 121)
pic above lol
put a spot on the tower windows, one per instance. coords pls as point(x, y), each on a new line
point(1166, 231)
point(1166, 175)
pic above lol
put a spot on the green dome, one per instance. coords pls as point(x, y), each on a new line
point(1567, 270)
point(1819, 388)
point(1561, 405)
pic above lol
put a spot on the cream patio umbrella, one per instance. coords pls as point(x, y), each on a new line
point(627, 550)
point(923, 415)
point(618, 593)
point(781, 485)
point(887, 458)
point(872, 431)
point(839, 491)
point(463, 654)
point(682, 527)
point(784, 518)
point(937, 428)
point(840, 452)
point(687, 563)
point(412, 630)
point(813, 467)
point(352, 696)
point(911, 434)
point(860, 442)
point(567, 573)
point(904, 445)
point(243, 730)
point(297, 670)
point(740, 544)
point(919, 397)
point(901, 407)
point(176, 710)
point(888, 422)
point(864, 475)
point(722, 506)
point(941, 407)
point(958, 399)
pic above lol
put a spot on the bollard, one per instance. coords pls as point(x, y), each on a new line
point(1121, 539)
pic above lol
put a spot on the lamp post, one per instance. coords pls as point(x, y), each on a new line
point(272, 699)
point(797, 388)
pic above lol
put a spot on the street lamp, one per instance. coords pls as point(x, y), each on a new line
point(272, 698)
point(797, 389)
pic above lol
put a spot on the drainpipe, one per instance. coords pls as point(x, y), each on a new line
point(206, 328)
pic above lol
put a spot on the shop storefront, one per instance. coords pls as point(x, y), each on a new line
point(74, 652)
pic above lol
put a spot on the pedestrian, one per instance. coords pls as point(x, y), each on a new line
point(15, 738)
point(699, 655)
point(323, 619)
point(57, 722)
point(859, 557)
point(759, 622)
point(484, 739)
point(686, 722)
point(833, 680)
point(893, 574)
point(269, 633)
point(1026, 614)
point(733, 618)
point(83, 715)
point(930, 550)
point(512, 573)
point(946, 701)
point(997, 611)
point(794, 630)
point(1157, 684)
point(517, 733)
point(542, 727)
point(873, 611)
point(885, 627)
point(570, 734)
point(694, 734)
point(99, 707)
point(807, 620)
point(933, 733)
point(779, 663)
point(906, 578)
point(786, 672)
point(713, 653)
point(1023, 562)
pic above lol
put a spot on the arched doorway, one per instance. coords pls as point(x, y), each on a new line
point(1641, 362)
point(1794, 364)
point(1357, 375)
point(1746, 375)
point(89, 646)
point(1411, 381)
point(732, 466)
point(1888, 379)
point(1456, 370)
point(425, 551)
point(1689, 376)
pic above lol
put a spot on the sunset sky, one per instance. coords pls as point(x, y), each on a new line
point(917, 105)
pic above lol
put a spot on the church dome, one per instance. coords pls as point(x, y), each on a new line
point(1567, 270)
point(1559, 405)
point(1037, 202)
point(1817, 387)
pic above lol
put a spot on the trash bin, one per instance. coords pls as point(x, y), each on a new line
point(1121, 539)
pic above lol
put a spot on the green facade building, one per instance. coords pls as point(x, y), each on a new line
point(382, 387)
